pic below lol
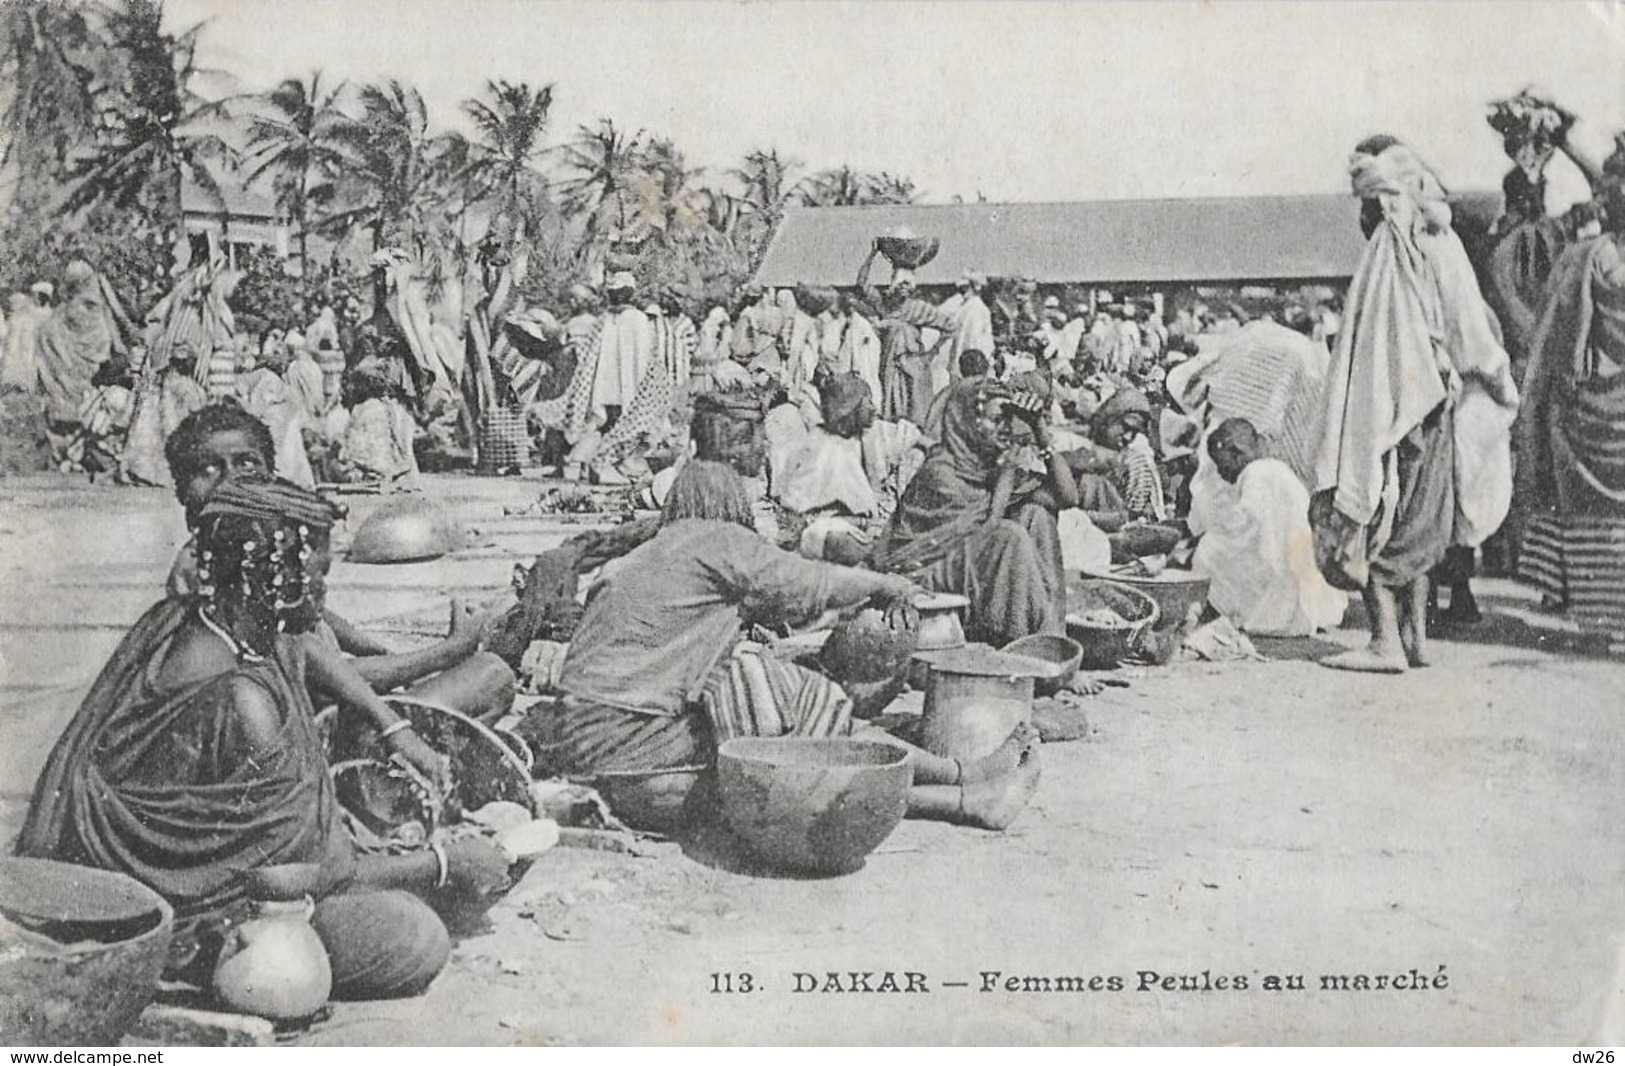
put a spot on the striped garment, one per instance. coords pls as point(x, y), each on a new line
point(745, 695)
point(1580, 561)
point(1142, 484)
point(222, 376)
point(755, 695)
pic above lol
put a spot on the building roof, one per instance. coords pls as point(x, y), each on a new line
point(1101, 242)
point(244, 202)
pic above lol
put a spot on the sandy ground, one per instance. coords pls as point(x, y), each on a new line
point(1234, 821)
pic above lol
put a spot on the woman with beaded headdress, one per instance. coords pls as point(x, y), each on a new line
point(194, 760)
point(1571, 428)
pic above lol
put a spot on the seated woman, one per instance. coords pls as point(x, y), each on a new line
point(223, 441)
point(378, 442)
point(1252, 515)
point(1122, 427)
point(854, 464)
point(974, 524)
point(195, 759)
point(651, 683)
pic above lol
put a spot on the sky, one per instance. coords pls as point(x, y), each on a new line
point(1008, 99)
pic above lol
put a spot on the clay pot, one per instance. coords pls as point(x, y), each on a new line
point(812, 805)
point(274, 964)
point(941, 621)
point(974, 697)
point(89, 962)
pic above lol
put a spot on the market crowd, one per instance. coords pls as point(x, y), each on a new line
point(803, 454)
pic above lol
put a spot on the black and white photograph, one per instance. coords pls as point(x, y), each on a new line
point(537, 523)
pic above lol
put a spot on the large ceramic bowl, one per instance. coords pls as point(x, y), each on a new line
point(815, 806)
point(83, 959)
point(404, 530)
point(1104, 646)
point(1177, 593)
point(1060, 655)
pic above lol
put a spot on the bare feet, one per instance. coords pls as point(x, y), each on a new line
point(1084, 685)
point(997, 803)
point(1367, 660)
point(1002, 760)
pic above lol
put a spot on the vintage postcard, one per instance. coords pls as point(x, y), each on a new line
point(702, 522)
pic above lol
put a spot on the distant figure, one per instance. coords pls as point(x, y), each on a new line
point(975, 322)
point(901, 318)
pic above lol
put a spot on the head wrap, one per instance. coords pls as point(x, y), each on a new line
point(973, 279)
point(294, 340)
point(621, 279)
point(1396, 175)
point(44, 288)
point(1123, 402)
point(1052, 303)
point(271, 500)
point(840, 396)
point(583, 293)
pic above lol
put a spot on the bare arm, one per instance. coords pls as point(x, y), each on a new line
point(352, 639)
point(333, 675)
point(1003, 490)
point(1060, 474)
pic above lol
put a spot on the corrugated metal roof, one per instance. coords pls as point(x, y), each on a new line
point(1101, 242)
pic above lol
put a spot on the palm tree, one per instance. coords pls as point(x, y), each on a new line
point(298, 137)
point(844, 186)
point(395, 175)
point(508, 146)
point(47, 99)
point(888, 188)
point(602, 161)
point(766, 178)
point(154, 133)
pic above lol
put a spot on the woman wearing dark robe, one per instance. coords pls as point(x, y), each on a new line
point(195, 760)
point(1571, 428)
point(948, 536)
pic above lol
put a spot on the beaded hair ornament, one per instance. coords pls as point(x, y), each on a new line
point(255, 539)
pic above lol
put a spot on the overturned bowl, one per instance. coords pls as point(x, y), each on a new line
point(818, 806)
point(404, 530)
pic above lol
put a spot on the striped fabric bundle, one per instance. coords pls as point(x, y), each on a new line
point(1580, 561)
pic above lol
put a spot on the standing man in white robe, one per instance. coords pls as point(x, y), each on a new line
point(974, 322)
